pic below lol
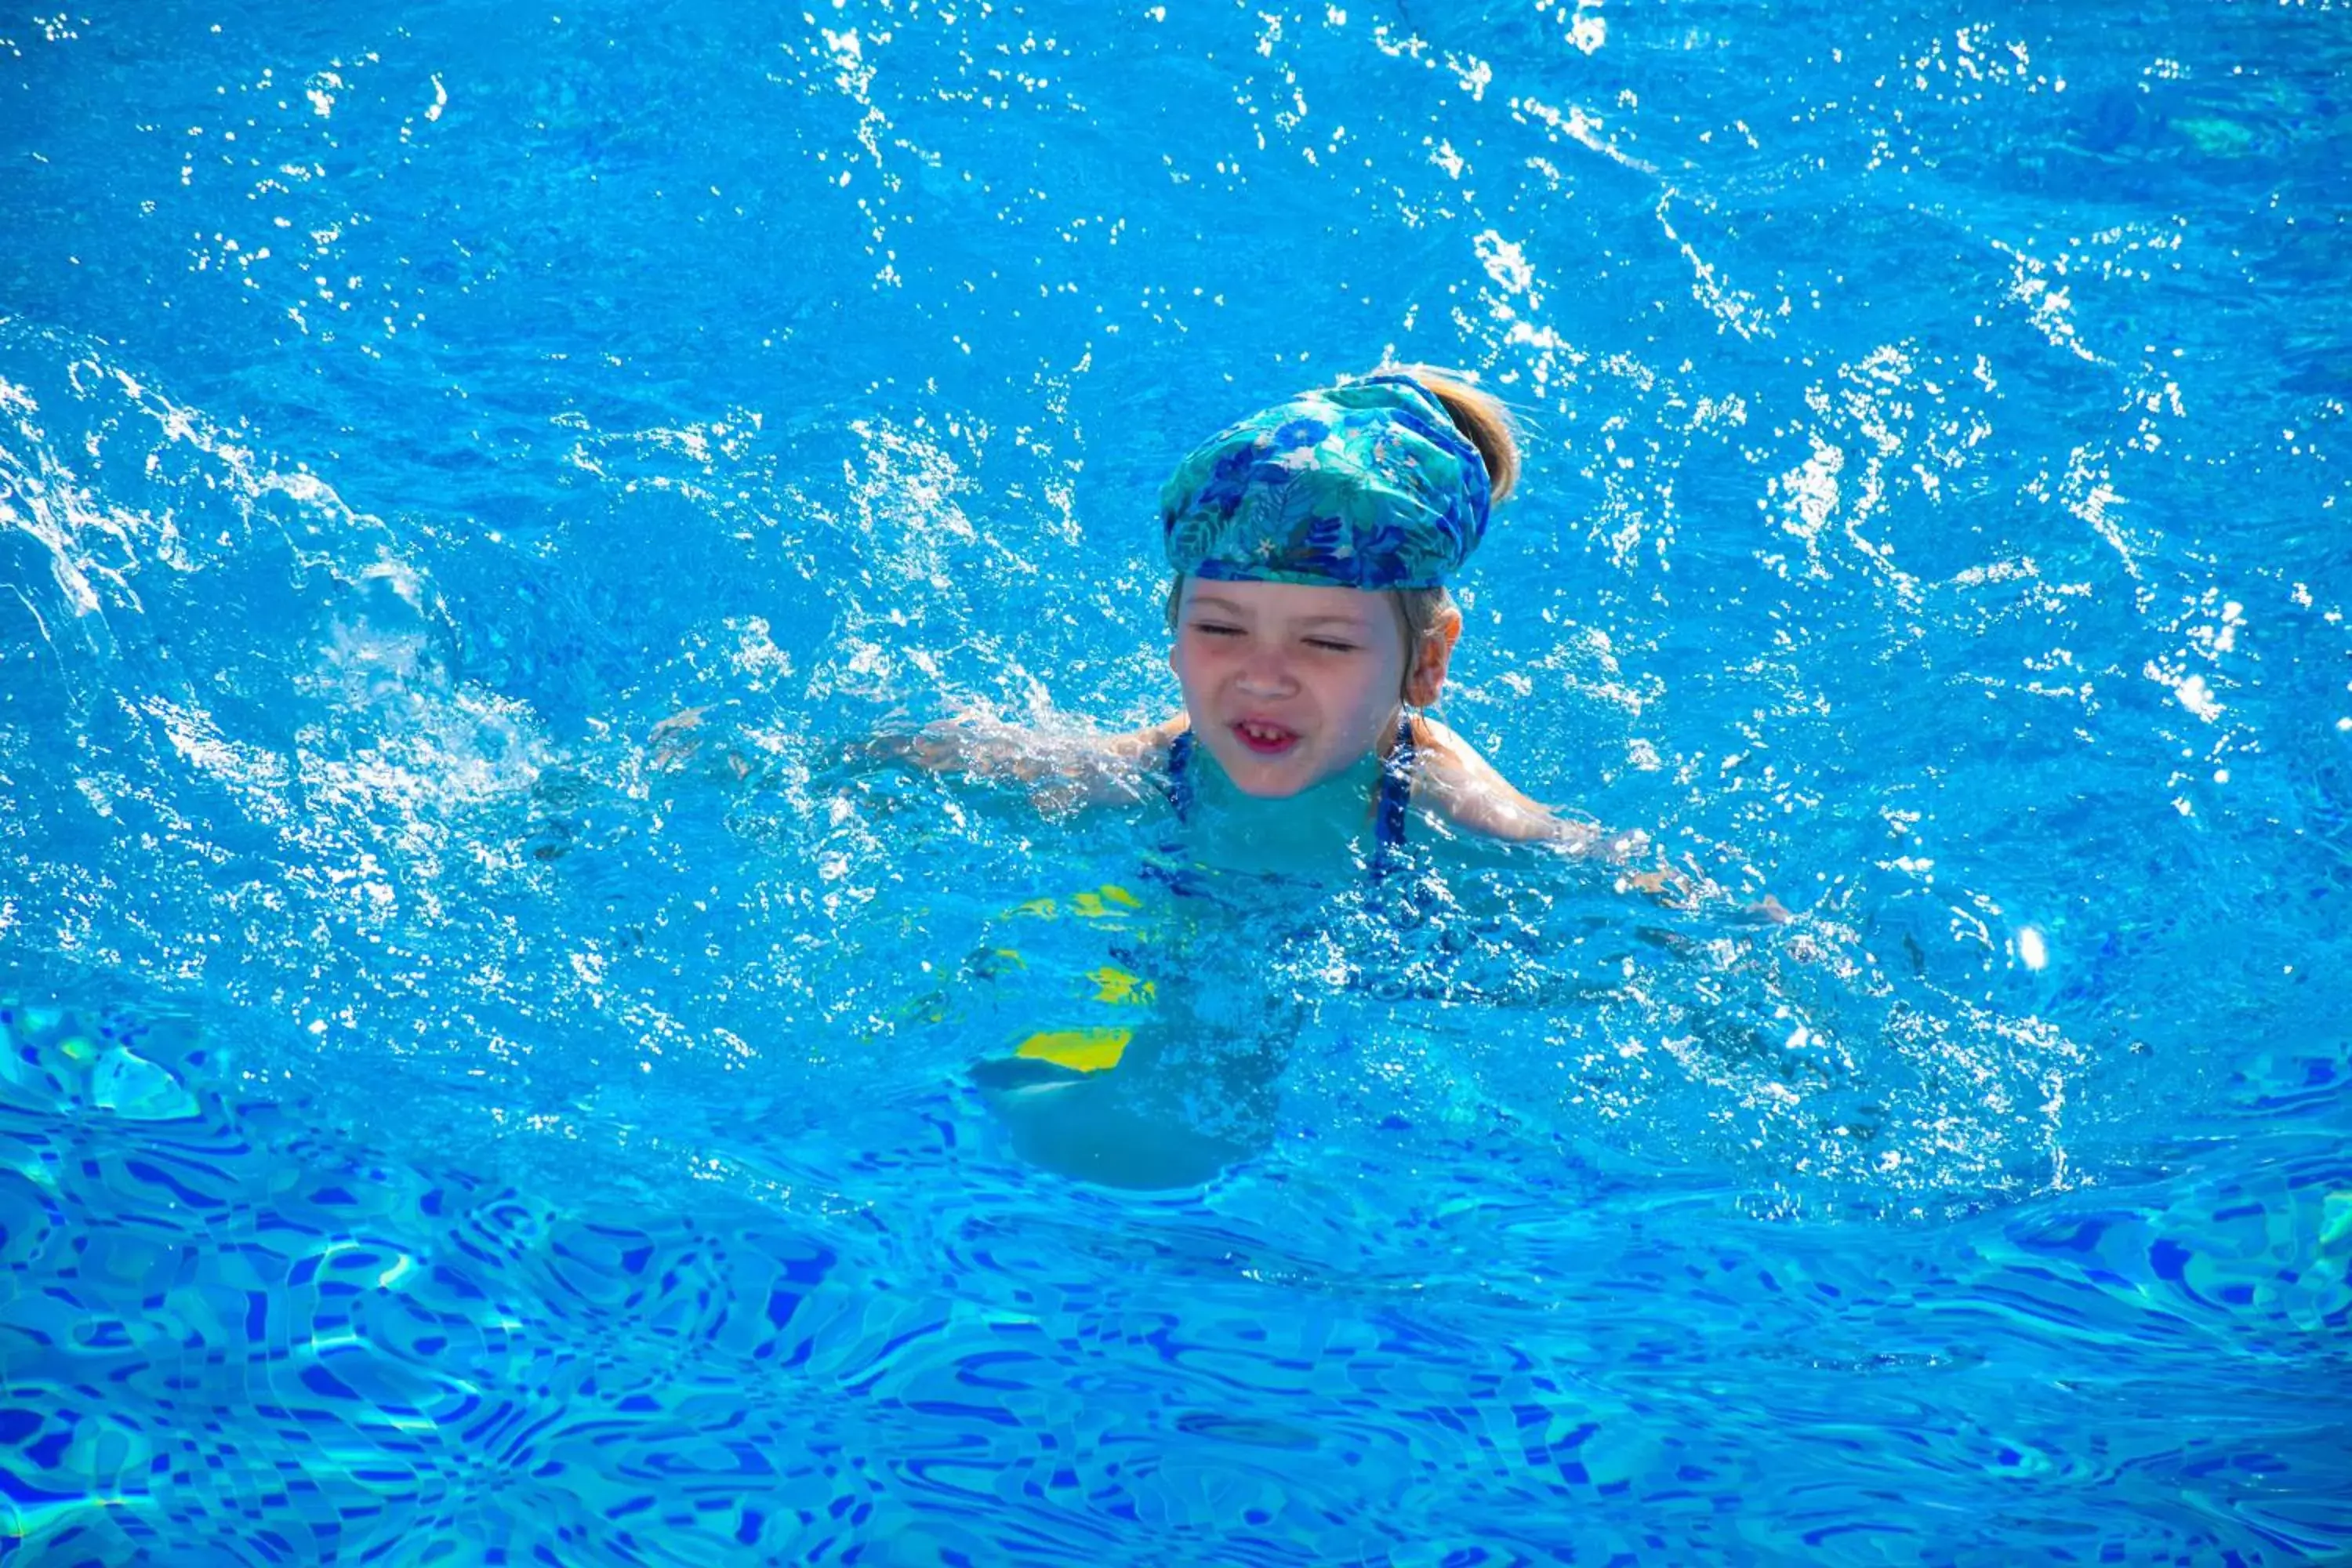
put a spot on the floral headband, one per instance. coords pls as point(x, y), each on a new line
point(1364, 485)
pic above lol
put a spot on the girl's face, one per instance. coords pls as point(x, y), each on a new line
point(1287, 684)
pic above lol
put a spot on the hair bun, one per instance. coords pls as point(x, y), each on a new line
point(1479, 414)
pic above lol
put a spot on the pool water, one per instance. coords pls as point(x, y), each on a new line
point(441, 1124)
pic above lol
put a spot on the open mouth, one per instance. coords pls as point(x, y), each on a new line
point(1265, 739)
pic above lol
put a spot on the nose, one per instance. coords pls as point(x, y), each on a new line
point(1265, 672)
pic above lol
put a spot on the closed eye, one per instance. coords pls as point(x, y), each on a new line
point(1331, 645)
point(1216, 629)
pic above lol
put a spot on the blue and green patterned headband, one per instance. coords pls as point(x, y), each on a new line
point(1365, 485)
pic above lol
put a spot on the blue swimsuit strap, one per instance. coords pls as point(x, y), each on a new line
point(1179, 777)
point(1396, 791)
point(1388, 816)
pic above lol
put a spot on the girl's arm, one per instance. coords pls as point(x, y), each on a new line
point(1464, 791)
point(708, 739)
point(1063, 770)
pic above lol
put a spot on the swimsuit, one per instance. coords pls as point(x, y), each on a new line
point(1097, 1039)
point(1388, 815)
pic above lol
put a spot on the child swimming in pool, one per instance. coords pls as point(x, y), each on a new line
point(1310, 545)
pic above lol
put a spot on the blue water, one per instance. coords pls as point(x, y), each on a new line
point(432, 1132)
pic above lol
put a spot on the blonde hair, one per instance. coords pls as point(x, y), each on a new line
point(1481, 417)
point(1487, 425)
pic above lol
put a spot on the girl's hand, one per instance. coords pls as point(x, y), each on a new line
point(678, 740)
point(673, 740)
point(1667, 884)
point(1677, 890)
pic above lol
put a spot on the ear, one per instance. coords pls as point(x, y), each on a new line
point(1424, 675)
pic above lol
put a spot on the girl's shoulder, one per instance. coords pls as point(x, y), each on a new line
point(1098, 768)
point(1146, 750)
point(1117, 768)
point(1462, 789)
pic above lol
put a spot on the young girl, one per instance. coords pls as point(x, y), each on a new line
point(1311, 543)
